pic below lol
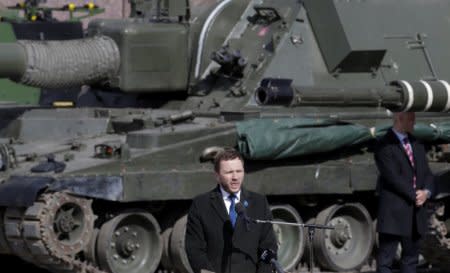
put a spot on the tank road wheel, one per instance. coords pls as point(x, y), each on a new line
point(349, 245)
point(177, 246)
point(90, 252)
point(129, 243)
point(166, 258)
point(291, 243)
point(68, 222)
point(4, 248)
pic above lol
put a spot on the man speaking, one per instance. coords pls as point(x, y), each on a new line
point(219, 240)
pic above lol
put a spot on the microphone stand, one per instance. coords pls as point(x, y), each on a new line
point(311, 231)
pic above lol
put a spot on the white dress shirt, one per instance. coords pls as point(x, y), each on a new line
point(400, 136)
point(227, 200)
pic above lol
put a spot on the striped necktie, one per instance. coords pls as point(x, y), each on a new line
point(409, 152)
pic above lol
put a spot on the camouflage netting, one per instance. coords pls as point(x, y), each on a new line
point(287, 137)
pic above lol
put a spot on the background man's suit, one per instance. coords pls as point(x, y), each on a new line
point(398, 216)
point(215, 246)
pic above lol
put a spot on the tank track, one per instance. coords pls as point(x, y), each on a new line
point(436, 246)
point(30, 233)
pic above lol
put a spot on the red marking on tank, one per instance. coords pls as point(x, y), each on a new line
point(263, 31)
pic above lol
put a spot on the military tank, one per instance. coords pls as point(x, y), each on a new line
point(301, 88)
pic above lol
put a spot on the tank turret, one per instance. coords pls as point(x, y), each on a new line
point(301, 88)
point(99, 60)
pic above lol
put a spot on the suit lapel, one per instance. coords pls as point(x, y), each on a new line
point(414, 148)
point(218, 204)
point(240, 228)
point(400, 147)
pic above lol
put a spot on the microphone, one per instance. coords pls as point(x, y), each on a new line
point(269, 257)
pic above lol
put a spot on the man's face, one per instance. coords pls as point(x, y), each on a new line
point(231, 175)
point(408, 120)
point(404, 121)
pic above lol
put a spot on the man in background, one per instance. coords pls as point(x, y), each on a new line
point(216, 238)
point(405, 183)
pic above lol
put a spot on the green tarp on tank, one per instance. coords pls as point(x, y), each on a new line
point(434, 132)
point(289, 137)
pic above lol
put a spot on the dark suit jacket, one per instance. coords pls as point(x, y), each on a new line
point(211, 242)
point(397, 212)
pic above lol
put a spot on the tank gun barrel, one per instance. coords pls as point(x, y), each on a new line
point(60, 64)
point(420, 96)
point(12, 60)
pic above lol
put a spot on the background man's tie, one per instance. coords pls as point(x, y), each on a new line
point(233, 214)
point(409, 152)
